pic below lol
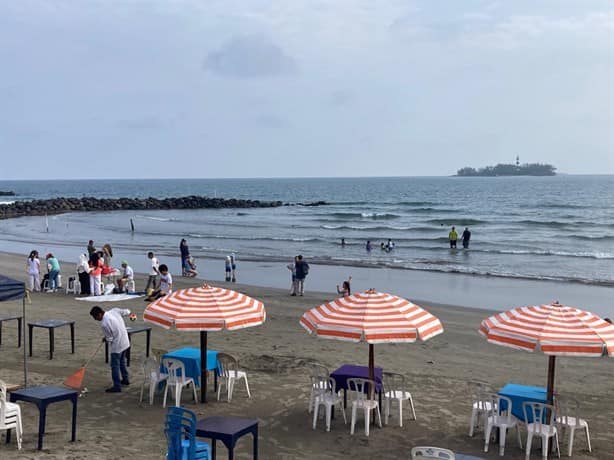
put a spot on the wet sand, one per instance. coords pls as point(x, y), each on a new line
point(276, 357)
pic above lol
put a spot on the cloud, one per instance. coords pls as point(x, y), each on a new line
point(250, 56)
point(341, 98)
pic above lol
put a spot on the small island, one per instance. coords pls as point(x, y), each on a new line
point(527, 169)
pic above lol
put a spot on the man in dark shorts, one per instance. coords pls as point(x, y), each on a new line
point(453, 238)
point(466, 238)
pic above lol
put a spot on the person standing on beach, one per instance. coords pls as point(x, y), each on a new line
point(95, 273)
point(302, 270)
point(83, 271)
point(227, 268)
point(53, 266)
point(292, 268)
point(185, 256)
point(233, 266)
point(453, 236)
point(466, 238)
point(345, 290)
point(91, 249)
point(154, 272)
point(116, 335)
point(33, 267)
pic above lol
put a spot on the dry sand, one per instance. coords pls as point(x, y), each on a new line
point(276, 356)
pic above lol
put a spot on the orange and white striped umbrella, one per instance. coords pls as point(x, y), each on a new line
point(554, 329)
point(205, 308)
point(372, 316)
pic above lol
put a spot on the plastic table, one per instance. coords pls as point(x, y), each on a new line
point(131, 330)
point(350, 371)
point(42, 396)
point(19, 320)
point(519, 394)
point(190, 357)
point(228, 430)
point(51, 325)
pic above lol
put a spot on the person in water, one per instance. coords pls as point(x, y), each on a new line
point(369, 247)
point(466, 238)
point(453, 236)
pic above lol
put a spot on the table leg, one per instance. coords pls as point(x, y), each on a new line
point(72, 338)
point(215, 380)
point(51, 342)
point(148, 339)
point(19, 326)
point(106, 352)
point(255, 434)
point(30, 327)
point(1, 334)
point(74, 419)
point(42, 415)
point(128, 355)
point(213, 455)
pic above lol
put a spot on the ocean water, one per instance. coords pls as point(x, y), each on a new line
point(559, 228)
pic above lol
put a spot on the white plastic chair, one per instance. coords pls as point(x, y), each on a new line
point(431, 453)
point(318, 372)
point(73, 286)
point(152, 377)
point(362, 393)
point(395, 389)
point(10, 415)
point(537, 427)
point(229, 373)
point(177, 379)
point(502, 420)
point(568, 418)
point(480, 403)
point(326, 396)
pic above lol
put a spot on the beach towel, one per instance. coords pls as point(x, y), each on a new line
point(109, 297)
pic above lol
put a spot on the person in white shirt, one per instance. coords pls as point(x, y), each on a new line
point(154, 272)
point(33, 267)
point(127, 279)
point(165, 287)
point(116, 335)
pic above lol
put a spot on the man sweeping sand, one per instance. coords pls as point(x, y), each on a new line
point(115, 334)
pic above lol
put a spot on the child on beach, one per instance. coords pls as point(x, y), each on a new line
point(33, 267)
point(345, 287)
point(190, 270)
point(227, 268)
point(165, 287)
point(154, 272)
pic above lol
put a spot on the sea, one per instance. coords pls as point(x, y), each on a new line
point(551, 228)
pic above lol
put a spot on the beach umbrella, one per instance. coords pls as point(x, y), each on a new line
point(372, 317)
point(555, 329)
point(204, 309)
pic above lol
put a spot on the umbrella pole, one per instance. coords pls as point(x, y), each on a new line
point(24, 337)
point(550, 394)
point(203, 366)
point(371, 363)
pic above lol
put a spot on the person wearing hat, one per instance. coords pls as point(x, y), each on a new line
point(126, 282)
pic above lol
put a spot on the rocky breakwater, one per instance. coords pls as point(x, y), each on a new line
point(87, 204)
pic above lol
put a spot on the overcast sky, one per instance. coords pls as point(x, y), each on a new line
point(270, 88)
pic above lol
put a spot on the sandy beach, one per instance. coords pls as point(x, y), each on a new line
point(276, 357)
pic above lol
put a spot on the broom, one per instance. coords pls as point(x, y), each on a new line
point(75, 381)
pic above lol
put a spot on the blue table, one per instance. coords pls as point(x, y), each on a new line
point(42, 396)
point(190, 357)
point(351, 371)
point(519, 394)
point(228, 430)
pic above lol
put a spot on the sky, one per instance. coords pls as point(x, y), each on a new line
point(302, 88)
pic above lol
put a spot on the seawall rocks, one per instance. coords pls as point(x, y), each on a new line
point(86, 204)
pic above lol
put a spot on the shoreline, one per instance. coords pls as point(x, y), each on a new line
point(421, 287)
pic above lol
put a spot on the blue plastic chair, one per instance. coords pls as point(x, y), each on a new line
point(180, 431)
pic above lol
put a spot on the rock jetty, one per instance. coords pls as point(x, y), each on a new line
point(62, 205)
point(7, 193)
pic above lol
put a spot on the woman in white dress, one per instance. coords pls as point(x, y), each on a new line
point(33, 267)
